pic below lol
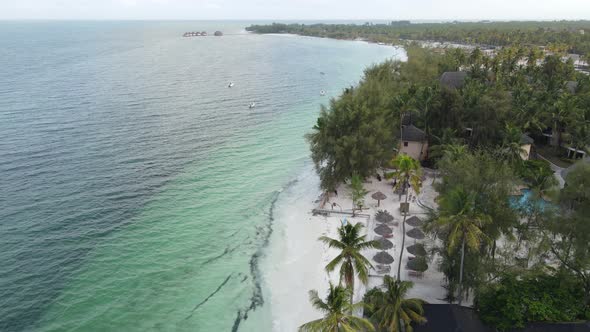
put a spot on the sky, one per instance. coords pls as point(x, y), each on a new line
point(296, 9)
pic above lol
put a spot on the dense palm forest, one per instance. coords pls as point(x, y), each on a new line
point(564, 36)
point(499, 101)
point(518, 263)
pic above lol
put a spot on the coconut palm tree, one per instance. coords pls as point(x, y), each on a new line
point(512, 150)
point(448, 145)
point(463, 225)
point(350, 259)
point(358, 193)
point(337, 311)
point(392, 311)
point(559, 113)
point(407, 174)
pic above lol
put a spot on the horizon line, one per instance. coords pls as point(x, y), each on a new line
point(278, 20)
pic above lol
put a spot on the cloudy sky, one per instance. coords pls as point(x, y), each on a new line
point(295, 9)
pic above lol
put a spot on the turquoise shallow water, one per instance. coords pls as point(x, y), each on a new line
point(137, 190)
point(527, 201)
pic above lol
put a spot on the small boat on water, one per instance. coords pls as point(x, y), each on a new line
point(252, 105)
point(230, 84)
point(322, 93)
point(322, 73)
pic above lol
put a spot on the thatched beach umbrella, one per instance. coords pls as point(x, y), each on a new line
point(383, 257)
point(379, 196)
point(385, 243)
point(417, 264)
point(417, 249)
point(383, 230)
point(383, 216)
point(414, 221)
point(415, 233)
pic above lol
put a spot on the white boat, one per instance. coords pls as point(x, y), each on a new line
point(252, 105)
point(230, 84)
point(322, 93)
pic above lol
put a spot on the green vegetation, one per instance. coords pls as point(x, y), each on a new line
point(350, 259)
point(337, 310)
point(392, 311)
point(516, 300)
point(558, 35)
point(358, 193)
point(491, 251)
point(463, 224)
point(498, 102)
point(389, 309)
point(567, 235)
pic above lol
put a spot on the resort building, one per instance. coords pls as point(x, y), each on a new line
point(413, 142)
point(526, 143)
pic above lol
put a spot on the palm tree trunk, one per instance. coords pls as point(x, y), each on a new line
point(401, 252)
point(352, 293)
point(494, 251)
point(349, 281)
point(461, 271)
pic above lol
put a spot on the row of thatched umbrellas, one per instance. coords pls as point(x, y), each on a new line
point(417, 263)
point(382, 229)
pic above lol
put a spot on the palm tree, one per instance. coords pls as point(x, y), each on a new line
point(423, 99)
point(559, 113)
point(407, 174)
point(463, 224)
point(392, 311)
point(447, 143)
point(358, 193)
point(350, 259)
point(512, 149)
point(337, 311)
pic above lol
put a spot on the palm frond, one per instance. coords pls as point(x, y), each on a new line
point(332, 243)
point(333, 263)
point(317, 325)
point(316, 302)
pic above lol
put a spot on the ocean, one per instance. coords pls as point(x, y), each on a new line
point(138, 192)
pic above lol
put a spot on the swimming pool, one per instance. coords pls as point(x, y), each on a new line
point(526, 201)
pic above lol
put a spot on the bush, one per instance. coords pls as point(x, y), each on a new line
point(514, 301)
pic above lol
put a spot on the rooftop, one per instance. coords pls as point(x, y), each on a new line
point(451, 318)
point(455, 318)
point(526, 139)
point(413, 134)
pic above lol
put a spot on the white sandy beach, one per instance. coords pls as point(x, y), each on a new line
point(296, 259)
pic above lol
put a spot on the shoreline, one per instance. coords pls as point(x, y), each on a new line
point(295, 260)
